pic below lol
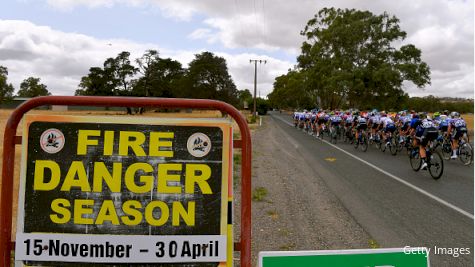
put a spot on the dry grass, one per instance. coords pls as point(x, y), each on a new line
point(5, 114)
point(469, 119)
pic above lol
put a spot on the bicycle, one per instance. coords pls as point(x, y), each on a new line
point(391, 143)
point(334, 133)
point(361, 140)
point(445, 146)
point(465, 150)
point(435, 163)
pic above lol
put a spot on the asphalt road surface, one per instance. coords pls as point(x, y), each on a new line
point(395, 205)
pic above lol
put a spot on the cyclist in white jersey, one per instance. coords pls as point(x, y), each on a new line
point(375, 122)
point(388, 126)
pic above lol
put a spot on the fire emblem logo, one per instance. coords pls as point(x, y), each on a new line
point(199, 145)
point(52, 141)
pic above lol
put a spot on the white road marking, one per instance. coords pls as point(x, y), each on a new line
point(422, 191)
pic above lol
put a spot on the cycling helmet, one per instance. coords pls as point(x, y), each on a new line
point(455, 114)
point(332, 113)
point(422, 115)
point(436, 114)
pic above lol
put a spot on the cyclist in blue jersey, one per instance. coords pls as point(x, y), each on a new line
point(457, 127)
point(425, 131)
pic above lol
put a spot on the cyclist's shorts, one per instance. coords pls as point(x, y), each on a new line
point(361, 127)
point(459, 131)
point(348, 124)
point(428, 134)
point(390, 128)
point(335, 123)
point(374, 126)
point(312, 120)
point(405, 126)
point(321, 121)
point(443, 128)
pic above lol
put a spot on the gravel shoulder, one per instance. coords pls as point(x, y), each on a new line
point(293, 208)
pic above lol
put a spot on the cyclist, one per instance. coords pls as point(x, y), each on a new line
point(425, 131)
point(302, 119)
point(296, 118)
point(313, 119)
point(359, 123)
point(320, 121)
point(335, 121)
point(459, 128)
point(374, 121)
point(307, 120)
point(388, 127)
point(348, 118)
point(444, 122)
point(404, 121)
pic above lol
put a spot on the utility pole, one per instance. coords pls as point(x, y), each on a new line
point(255, 81)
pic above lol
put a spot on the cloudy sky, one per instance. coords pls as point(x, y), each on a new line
point(59, 40)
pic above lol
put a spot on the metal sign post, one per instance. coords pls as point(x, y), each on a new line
point(51, 134)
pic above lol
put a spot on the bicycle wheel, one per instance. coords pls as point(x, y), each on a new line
point(436, 165)
point(356, 142)
point(466, 154)
point(382, 145)
point(415, 160)
point(393, 146)
point(364, 143)
point(377, 143)
point(333, 135)
point(446, 149)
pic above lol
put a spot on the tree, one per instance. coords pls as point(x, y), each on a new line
point(349, 58)
point(97, 83)
point(113, 79)
point(290, 92)
point(122, 71)
point(6, 89)
point(208, 77)
point(245, 96)
point(160, 76)
point(31, 87)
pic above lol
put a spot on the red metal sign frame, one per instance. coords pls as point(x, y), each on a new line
point(10, 140)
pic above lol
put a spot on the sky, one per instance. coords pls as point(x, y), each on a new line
point(59, 40)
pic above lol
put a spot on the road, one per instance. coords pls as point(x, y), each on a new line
point(395, 205)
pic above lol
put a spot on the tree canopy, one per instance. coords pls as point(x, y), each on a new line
point(6, 89)
point(31, 87)
point(351, 58)
point(206, 77)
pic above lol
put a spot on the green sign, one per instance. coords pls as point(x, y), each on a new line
point(393, 257)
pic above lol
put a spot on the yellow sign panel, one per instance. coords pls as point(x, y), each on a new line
point(125, 190)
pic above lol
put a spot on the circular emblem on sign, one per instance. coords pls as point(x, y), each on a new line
point(52, 141)
point(199, 145)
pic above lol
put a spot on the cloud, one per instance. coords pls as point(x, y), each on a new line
point(442, 29)
point(60, 59)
